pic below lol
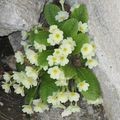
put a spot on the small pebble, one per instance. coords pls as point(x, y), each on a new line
point(1, 103)
point(9, 109)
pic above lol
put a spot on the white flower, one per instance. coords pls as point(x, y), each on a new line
point(87, 51)
point(61, 82)
point(39, 47)
point(50, 40)
point(31, 56)
point(53, 99)
point(19, 57)
point(28, 82)
point(62, 96)
point(66, 112)
point(6, 77)
point(91, 63)
point(95, 102)
point(39, 106)
point(6, 87)
point(74, 96)
point(71, 109)
point(54, 72)
point(83, 27)
point(63, 60)
point(19, 89)
point(82, 86)
point(36, 31)
point(18, 76)
point(27, 109)
point(53, 28)
point(36, 101)
point(24, 35)
point(60, 105)
point(74, 108)
point(52, 60)
point(24, 43)
point(66, 49)
point(57, 52)
point(93, 44)
point(61, 16)
point(56, 37)
point(21, 77)
point(70, 42)
point(31, 72)
point(74, 7)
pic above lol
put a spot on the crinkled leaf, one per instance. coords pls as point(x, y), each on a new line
point(80, 39)
point(93, 92)
point(42, 57)
point(50, 12)
point(69, 71)
point(40, 37)
point(20, 67)
point(47, 87)
point(81, 13)
point(30, 95)
point(70, 27)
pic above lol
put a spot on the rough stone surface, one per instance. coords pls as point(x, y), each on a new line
point(16, 15)
point(15, 40)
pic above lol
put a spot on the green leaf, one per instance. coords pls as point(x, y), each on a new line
point(80, 39)
point(30, 95)
point(42, 57)
point(47, 87)
point(93, 92)
point(69, 71)
point(20, 67)
point(40, 37)
point(50, 12)
point(70, 27)
point(81, 13)
point(31, 36)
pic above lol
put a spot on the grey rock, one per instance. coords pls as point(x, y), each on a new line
point(15, 40)
point(17, 15)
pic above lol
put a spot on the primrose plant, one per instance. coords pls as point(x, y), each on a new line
point(54, 68)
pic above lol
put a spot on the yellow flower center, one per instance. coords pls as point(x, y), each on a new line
point(62, 17)
point(61, 58)
point(90, 61)
point(54, 59)
point(82, 84)
point(72, 94)
point(55, 71)
point(85, 49)
point(57, 52)
point(57, 35)
point(54, 98)
point(81, 28)
point(64, 49)
point(30, 80)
